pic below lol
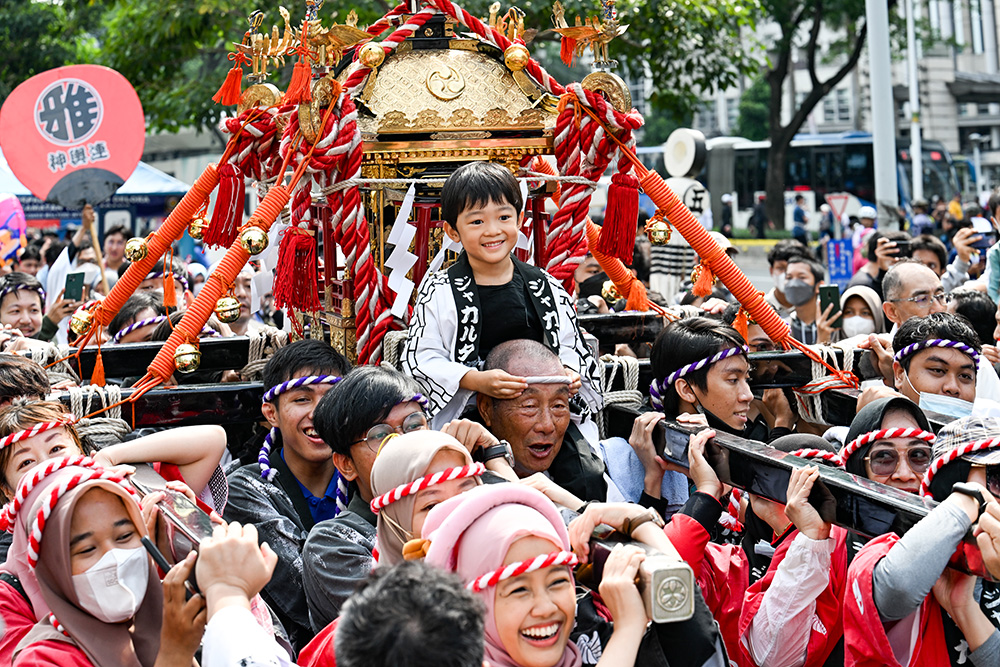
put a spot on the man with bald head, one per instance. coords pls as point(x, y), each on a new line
point(537, 423)
point(912, 290)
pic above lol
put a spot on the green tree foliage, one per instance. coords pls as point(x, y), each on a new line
point(175, 53)
point(754, 113)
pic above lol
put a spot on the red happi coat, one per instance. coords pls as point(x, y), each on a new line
point(827, 622)
point(865, 640)
point(722, 572)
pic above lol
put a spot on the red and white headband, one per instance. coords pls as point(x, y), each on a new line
point(884, 434)
point(822, 454)
point(958, 452)
point(57, 492)
point(493, 578)
point(35, 429)
point(417, 485)
point(31, 480)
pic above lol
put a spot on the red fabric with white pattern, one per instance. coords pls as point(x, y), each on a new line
point(942, 461)
point(884, 434)
point(517, 569)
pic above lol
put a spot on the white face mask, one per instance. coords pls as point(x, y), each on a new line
point(113, 588)
point(856, 325)
point(945, 405)
point(779, 280)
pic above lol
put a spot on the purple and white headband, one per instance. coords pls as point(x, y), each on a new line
point(279, 389)
point(937, 342)
point(10, 289)
point(707, 361)
point(137, 325)
point(159, 274)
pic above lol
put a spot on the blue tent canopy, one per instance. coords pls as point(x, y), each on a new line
point(148, 191)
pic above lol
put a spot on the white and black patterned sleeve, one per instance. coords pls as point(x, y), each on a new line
point(573, 350)
point(428, 356)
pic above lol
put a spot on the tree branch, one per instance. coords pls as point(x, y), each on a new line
point(811, 47)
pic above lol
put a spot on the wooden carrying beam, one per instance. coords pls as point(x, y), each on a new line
point(133, 359)
point(856, 503)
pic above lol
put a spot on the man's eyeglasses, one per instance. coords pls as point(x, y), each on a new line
point(416, 421)
point(924, 300)
point(884, 462)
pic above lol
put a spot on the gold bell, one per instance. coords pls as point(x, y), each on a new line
point(197, 228)
point(371, 55)
point(516, 57)
point(187, 358)
point(227, 309)
point(610, 292)
point(135, 249)
point(659, 233)
point(81, 322)
point(254, 240)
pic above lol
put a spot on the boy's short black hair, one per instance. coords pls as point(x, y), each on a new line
point(684, 342)
point(30, 252)
point(121, 230)
point(364, 397)
point(409, 615)
point(935, 325)
point(785, 250)
point(53, 251)
point(477, 184)
point(314, 356)
point(934, 245)
point(23, 280)
point(980, 310)
point(21, 377)
point(135, 304)
point(817, 270)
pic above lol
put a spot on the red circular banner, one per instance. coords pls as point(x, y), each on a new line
point(73, 135)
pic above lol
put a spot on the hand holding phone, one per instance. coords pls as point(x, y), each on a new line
point(830, 295)
point(74, 286)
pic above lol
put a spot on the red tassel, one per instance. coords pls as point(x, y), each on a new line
point(97, 377)
point(742, 324)
point(704, 281)
point(620, 218)
point(228, 213)
point(299, 89)
point(295, 275)
point(169, 291)
point(231, 91)
point(566, 50)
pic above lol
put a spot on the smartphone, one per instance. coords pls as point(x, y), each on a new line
point(830, 294)
point(191, 584)
point(670, 444)
point(74, 286)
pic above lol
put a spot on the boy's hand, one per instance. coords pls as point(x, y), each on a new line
point(574, 381)
point(496, 383)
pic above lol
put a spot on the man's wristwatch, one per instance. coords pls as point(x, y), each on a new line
point(631, 523)
point(973, 492)
point(500, 450)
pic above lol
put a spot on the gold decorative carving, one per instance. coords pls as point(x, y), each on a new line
point(461, 135)
point(311, 114)
point(612, 87)
point(259, 95)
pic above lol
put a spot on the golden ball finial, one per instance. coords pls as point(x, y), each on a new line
point(659, 233)
point(135, 249)
point(197, 228)
point(187, 358)
point(254, 240)
point(81, 322)
point(371, 55)
point(516, 57)
point(227, 309)
point(610, 292)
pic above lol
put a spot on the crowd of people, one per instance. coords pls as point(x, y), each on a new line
point(438, 512)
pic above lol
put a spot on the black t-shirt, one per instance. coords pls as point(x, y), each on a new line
point(507, 315)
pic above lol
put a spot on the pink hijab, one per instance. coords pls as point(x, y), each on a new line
point(489, 519)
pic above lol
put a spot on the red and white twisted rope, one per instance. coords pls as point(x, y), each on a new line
point(556, 558)
point(256, 148)
point(418, 485)
point(38, 525)
point(884, 434)
point(958, 452)
point(31, 480)
point(731, 517)
point(357, 78)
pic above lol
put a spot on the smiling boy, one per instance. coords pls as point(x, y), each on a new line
point(485, 298)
